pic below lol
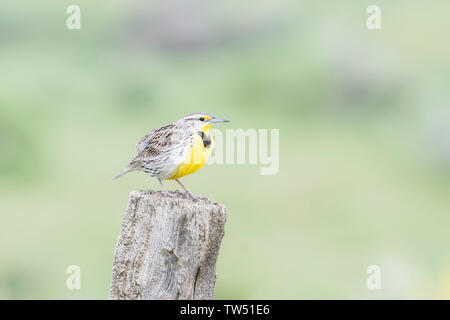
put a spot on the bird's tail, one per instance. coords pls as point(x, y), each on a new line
point(128, 169)
point(132, 166)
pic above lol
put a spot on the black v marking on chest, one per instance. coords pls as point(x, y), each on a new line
point(206, 139)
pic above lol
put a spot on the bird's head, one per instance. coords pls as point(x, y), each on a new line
point(201, 121)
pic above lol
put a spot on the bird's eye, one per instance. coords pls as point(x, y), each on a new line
point(202, 119)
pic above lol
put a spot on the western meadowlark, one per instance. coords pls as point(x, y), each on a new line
point(175, 150)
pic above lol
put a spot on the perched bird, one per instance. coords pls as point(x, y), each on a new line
point(175, 150)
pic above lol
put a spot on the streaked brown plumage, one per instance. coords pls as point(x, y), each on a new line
point(167, 152)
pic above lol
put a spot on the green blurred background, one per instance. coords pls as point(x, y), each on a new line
point(364, 121)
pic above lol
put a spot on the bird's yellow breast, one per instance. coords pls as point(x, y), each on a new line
point(197, 155)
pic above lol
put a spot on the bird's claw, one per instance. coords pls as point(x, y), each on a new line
point(188, 195)
point(165, 193)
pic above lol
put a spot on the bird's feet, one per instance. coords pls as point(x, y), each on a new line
point(165, 193)
point(163, 190)
point(187, 193)
point(190, 195)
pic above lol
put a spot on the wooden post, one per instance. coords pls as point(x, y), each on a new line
point(167, 247)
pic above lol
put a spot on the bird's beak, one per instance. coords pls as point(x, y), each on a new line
point(215, 120)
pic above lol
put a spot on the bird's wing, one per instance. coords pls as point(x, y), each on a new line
point(143, 143)
point(160, 140)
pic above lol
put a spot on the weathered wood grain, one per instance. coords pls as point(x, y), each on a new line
point(167, 247)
